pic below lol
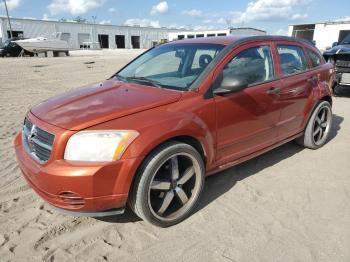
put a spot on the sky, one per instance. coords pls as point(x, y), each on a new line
point(274, 16)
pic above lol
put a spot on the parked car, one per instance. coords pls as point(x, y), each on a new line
point(11, 49)
point(149, 135)
point(339, 55)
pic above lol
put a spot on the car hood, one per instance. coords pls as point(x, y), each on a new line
point(339, 49)
point(98, 103)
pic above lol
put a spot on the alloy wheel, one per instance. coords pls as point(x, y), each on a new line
point(174, 186)
point(321, 125)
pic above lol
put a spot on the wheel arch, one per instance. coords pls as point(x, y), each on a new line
point(186, 139)
point(327, 98)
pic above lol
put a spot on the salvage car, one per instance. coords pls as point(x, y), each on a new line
point(339, 56)
point(149, 135)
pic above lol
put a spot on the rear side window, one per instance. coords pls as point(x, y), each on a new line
point(315, 58)
point(254, 64)
point(292, 59)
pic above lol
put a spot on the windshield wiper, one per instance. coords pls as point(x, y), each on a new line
point(145, 80)
point(119, 77)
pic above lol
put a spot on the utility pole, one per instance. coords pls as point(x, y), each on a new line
point(8, 17)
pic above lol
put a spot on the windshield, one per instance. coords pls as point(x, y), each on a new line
point(346, 40)
point(174, 66)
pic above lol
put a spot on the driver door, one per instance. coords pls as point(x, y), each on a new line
point(247, 119)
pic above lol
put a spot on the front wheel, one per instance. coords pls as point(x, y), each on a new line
point(318, 127)
point(168, 184)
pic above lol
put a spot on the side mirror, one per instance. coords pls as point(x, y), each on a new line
point(231, 84)
point(334, 44)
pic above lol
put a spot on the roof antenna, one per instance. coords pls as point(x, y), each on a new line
point(8, 17)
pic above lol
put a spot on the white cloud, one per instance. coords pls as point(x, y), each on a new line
point(160, 8)
point(271, 10)
point(47, 18)
point(221, 21)
point(105, 22)
point(74, 7)
point(142, 22)
point(345, 18)
point(203, 27)
point(193, 13)
point(112, 10)
point(177, 26)
point(281, 32)
point(11, 4)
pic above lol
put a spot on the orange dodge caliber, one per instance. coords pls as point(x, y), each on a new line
point(150, 134)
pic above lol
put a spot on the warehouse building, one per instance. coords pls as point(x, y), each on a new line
point(322, 34)
point(85, 35)
point(247, 31)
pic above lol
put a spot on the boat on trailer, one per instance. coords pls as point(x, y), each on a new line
point(43, 44)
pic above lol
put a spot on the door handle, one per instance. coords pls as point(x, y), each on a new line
point(273, 91)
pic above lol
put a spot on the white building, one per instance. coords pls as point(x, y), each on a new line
point(323, 34)
point(78, 34)
point(82, 35)
point(247, 31)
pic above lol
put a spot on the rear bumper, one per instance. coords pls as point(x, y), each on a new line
point(86, 188)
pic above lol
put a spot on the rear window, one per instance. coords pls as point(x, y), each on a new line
point(292, 59)
point(314, 58)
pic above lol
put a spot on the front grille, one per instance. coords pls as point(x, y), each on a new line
point(343, 63)
point(37, 142)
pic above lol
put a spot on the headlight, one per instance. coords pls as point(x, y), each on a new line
point(99, 146)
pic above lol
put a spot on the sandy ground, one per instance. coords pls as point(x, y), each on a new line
point(290, 204)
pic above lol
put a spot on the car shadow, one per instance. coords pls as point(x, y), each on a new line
point(336, 124)
point(220, 183)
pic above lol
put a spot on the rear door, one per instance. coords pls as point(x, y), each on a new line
point(246, 120)
point(296, 88)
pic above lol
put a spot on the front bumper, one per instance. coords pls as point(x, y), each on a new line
point(79, 187)
point(343, 78)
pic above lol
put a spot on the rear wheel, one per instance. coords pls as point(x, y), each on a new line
point(168, 185)
point(318, 127)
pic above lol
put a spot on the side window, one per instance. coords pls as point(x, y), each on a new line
point(202, 58)
point(292, 59)
point(254, 64)
point(315, 58)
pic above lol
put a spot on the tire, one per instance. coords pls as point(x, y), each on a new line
point(156, 184)
point(317, 129)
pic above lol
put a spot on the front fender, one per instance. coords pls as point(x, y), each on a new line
point(158, 125)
